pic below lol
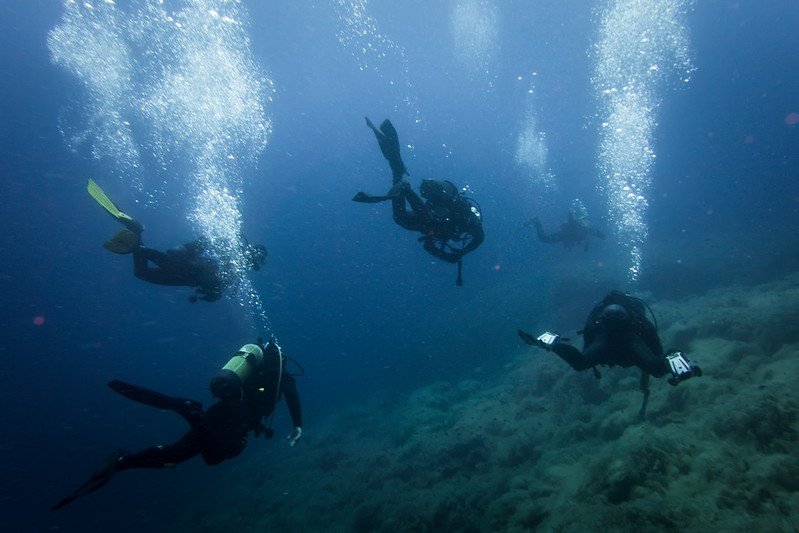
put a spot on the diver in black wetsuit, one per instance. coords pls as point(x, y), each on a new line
point(248, 388)
point(574, 231)
point(618, 332)
point(450, 222)
point(191, 265)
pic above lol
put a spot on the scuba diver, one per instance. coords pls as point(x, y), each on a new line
point(618, 332)
point(574, 231)
point(451, 223)
point(192, 264)
point(248, 389)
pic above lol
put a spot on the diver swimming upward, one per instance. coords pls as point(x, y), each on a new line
point(451, 224)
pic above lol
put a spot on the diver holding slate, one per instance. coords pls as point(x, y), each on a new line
point(618, 332)
point(451, 224)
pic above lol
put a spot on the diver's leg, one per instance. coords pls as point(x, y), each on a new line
point(224, 433)
point(404, 218)
point(217, 448)
point(157, 257)
point(185, 448)
point(140, 269)
point(99, 478)
point(417, 219)
point(158, 275)
point(132, 225)
point(599, 351)
point(155, 457)
point(417, 204)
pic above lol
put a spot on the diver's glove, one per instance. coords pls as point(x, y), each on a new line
point(545, 340)
point(681, 368)
point(294, 436)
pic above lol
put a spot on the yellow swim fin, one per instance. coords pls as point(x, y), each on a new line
point(105, 202)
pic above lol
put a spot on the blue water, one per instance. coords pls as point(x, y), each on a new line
point(349, 294)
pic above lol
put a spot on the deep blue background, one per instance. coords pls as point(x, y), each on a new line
point(349, 294)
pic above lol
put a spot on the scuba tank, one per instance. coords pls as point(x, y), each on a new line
point(227, 384)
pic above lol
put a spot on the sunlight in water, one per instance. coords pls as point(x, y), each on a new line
point(183, 86)
point(642, 50)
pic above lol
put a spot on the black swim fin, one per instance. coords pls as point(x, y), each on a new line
point(388, 140)
point(182, 406)
point(368, 198)
point(99, 478)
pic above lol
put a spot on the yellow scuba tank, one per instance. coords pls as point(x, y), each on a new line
point(227, 384)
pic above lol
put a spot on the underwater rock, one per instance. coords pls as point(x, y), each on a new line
point(765, 421)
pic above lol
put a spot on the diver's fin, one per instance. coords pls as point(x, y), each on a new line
point(368, 198)
point(182, 406)
point(105, 202)
point(123, 242)
point(388, 140)
point(100, 477)
point(390, 147)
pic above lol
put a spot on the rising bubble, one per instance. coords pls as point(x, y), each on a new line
point(180, 84)
point(474, 29)
point(642, 50)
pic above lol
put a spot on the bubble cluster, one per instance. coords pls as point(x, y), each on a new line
point(579, 212)
point(474, 29)
point(89, 43)
point(187, 79)
point(643, 49)
point(531, 149)
point(374, 51)
point(358, 33)
point(206, 93)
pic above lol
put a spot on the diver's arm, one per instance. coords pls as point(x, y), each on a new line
point(438, 249)
point(289, 390)
point(477, 238)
